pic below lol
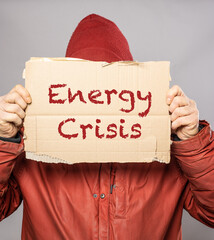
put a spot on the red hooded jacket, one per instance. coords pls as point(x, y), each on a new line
point(132, 201)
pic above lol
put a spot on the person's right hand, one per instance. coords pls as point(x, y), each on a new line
point(12, 111)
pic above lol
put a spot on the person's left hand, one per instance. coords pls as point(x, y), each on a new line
point(184, 113)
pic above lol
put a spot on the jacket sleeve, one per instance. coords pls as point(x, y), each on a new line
point(10, 194)
point(196, 159)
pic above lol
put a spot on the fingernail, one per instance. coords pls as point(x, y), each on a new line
point(168, 100)
point(28, 99)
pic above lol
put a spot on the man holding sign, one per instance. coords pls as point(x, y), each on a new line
point(107, 200)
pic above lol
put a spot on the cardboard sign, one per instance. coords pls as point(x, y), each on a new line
point(85, 111)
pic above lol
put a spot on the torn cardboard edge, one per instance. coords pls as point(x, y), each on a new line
point(50, 159)
point(44, 158)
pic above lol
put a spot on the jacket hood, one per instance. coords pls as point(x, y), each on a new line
point(98, 39)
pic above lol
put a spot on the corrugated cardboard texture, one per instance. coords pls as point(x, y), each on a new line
point(130, 124)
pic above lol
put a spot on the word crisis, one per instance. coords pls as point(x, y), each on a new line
point(98, 97)
point(112, 129)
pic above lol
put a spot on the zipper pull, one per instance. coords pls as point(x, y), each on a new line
point(111, 188)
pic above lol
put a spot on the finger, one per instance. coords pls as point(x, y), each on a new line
point(14, 97)
point(181, 112)
point(12, 118)
point(178, 101)
point(14, 108)
point(184, 121)
point(193, 104)
point(172, 92)
point(23, 92)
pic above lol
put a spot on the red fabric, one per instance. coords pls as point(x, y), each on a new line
point(146, 202)
point(98, 39)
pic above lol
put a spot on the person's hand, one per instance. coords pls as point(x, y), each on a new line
point(184, 113)
point(12, 111)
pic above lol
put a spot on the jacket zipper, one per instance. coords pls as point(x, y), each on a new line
point(112, 177)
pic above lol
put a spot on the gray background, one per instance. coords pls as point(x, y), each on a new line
point(179, 31)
